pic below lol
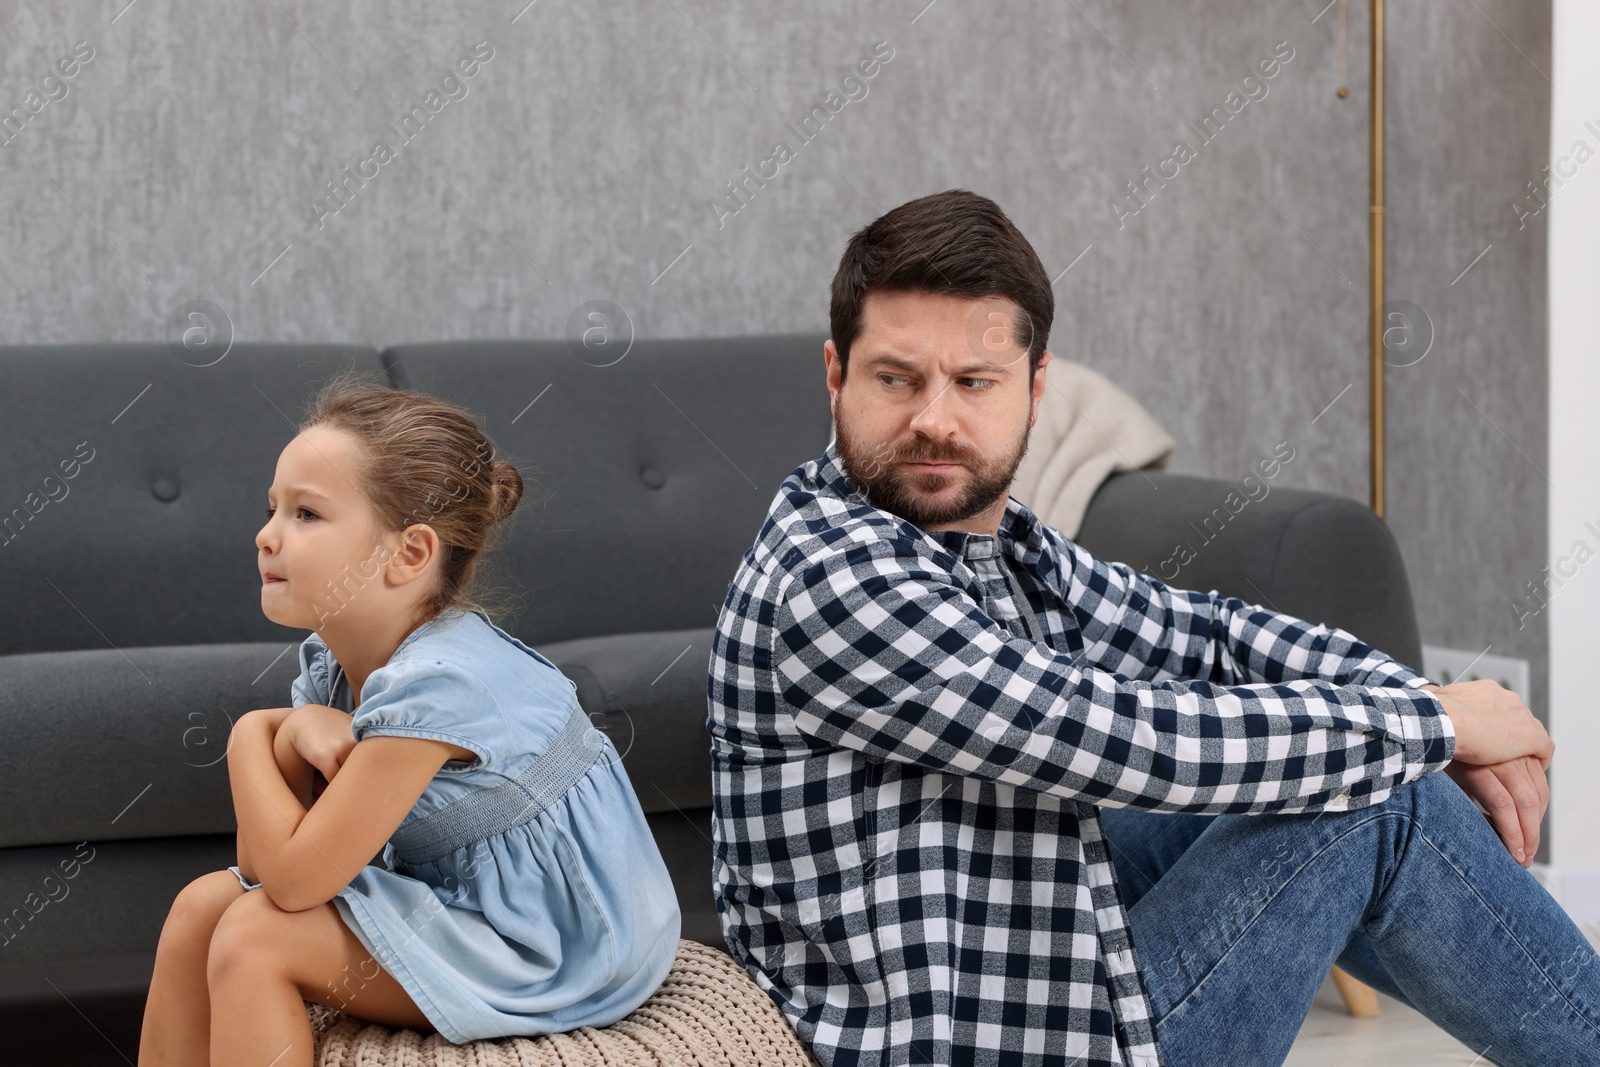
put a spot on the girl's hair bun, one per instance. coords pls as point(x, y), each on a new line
point(507, 489)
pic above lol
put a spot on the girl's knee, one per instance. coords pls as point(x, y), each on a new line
point(202, 902)
point(246, 936)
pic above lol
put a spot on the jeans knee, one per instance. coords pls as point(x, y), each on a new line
point(1433, 793)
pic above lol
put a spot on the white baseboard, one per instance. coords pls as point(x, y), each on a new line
point(1578, 893)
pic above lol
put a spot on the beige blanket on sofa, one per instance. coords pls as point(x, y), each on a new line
point(1088, 429)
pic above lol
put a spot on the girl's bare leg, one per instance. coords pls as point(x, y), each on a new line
point(265, 963)
point(177, 1013)
point(176, 1031)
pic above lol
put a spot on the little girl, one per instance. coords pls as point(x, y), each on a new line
point(520, 890)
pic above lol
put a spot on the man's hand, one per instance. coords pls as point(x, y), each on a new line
point(321, 735)
point(1492, 724)
point(1514, 794)
point(1501, 755)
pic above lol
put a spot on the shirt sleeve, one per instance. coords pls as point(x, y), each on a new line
point(311, 687)
point(1141, 628)
point(427, 698)
point(881, 651)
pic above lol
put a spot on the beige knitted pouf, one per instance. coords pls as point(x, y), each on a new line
point(708, 1013)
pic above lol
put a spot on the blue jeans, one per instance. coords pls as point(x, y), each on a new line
point(1237, 918)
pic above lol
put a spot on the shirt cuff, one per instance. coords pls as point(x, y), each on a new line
point(1430, 736)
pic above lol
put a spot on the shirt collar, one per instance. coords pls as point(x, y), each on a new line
point(1019, 535)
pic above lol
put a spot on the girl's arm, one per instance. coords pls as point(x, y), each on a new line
point(285, 766)
point(246, 868)
point(294, 767)
point(303, 858)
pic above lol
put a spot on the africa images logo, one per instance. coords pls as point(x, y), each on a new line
point(852, 87)
point(1136, 195)
point(344, 187)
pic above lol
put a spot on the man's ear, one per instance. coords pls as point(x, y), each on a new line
point(835, 375)
point(1039, 386)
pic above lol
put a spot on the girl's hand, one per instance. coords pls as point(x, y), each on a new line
point(322, 737)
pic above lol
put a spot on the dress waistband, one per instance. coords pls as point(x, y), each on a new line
point(496, 809)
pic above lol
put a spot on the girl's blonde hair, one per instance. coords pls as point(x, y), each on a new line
point(426, 460)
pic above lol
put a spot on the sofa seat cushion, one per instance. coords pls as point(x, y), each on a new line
point(131, 742)
point(647, 691)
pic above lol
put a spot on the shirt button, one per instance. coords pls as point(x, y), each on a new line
point(1341, 798)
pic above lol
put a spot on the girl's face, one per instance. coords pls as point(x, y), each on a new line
point(320, 553)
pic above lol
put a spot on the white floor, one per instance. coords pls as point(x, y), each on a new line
point(1333, 1038)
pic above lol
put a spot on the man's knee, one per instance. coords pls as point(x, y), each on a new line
point(1431, 793)
point(1434, 800)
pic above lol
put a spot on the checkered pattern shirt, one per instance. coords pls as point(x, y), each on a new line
point(908, 848)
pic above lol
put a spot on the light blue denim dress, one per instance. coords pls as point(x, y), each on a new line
point(538, 902)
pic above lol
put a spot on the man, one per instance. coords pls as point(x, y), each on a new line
point(935, 720)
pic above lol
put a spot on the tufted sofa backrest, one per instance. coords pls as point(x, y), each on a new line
point(646, 479)
point(132, 484)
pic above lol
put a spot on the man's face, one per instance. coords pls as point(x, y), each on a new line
point(935, 416)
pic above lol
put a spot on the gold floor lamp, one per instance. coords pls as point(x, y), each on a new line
point(1361, 999)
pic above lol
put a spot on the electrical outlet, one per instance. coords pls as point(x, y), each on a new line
point(1446, 665)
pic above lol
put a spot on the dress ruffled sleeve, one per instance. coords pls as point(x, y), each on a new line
point(427, 698)
point(312, 685)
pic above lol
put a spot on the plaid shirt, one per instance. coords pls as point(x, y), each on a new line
point(908, 848)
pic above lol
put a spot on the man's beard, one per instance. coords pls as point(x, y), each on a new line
point(879, 475)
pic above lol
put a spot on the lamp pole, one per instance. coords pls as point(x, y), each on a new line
point(1376, 296)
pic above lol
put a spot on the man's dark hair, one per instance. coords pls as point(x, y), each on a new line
point(954, 243)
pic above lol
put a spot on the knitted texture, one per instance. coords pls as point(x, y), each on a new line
point(707, 1013)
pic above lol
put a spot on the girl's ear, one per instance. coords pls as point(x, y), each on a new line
point(418, 546)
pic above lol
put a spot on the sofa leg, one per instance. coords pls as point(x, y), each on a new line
point(1360, 1000)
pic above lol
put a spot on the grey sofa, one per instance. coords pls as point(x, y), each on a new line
point(131, 488)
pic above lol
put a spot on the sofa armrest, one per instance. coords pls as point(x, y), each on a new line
point(1317, 556)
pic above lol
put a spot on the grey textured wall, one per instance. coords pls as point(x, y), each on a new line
point(584, 158)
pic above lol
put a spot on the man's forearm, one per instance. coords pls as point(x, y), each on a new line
point(1148, 630)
